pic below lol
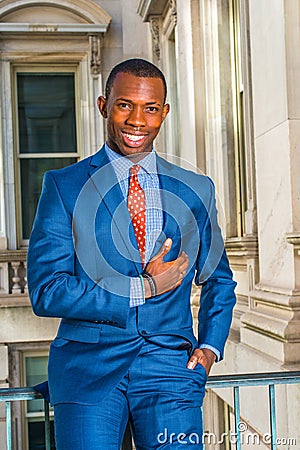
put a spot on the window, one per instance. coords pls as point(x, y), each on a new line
point(228, 111)
point(238, 116)
point(173, 129)
point(46, 133)
point(35, 371)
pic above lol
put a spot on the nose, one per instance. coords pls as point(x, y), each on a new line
point(136, 117)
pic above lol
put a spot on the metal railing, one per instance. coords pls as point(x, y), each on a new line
point(254, 379)
point(9, 395)
point(236, 382)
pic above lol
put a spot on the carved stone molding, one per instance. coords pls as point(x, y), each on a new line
point(157, 12)
point(95, 44)
point(13, 255)
point(271, 325)
point(173, 8)
point(246, 246)
point(155, 32)
point(294, 239)
point(88, 10)
point(148, 8)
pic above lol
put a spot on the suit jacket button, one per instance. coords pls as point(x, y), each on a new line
point(144, 332)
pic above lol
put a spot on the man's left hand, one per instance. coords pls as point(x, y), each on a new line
point(203, 356)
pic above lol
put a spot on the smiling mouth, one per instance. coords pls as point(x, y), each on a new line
point(135, 139)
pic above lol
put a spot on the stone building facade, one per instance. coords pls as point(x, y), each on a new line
point(232, 68)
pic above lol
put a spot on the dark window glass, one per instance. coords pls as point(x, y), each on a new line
point(36, 435)
point(36, 372)
point(47, 125)
point(46, 112)
point(32, 171)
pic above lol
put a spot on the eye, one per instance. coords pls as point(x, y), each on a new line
point(152, 109)
point(124, 105)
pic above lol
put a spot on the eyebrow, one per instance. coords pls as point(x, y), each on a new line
point(130, 101)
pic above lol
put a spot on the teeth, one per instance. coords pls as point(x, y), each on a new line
point(133, 137)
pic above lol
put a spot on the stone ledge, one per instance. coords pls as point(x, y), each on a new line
point(276, 328)
point(294, 239)
point(22, 325)
point(14, 301)
point(13, 255)
point(272, 324)
point(246, 246)
point(281, 297)
point(147, 8)
point(286, 353)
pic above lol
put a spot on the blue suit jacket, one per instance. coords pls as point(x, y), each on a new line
point(82, 255)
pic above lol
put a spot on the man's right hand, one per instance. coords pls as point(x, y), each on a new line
point(167, 275)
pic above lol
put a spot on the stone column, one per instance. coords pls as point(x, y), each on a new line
point(3, 239)
point(272, 324)
point(95, 86)
point(186, 87)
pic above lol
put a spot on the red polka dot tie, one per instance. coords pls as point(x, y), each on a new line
point(137, 209)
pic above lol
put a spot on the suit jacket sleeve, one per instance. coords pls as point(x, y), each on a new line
point(214, 275)
point(55, 289)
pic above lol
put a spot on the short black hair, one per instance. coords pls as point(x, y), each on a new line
point(137, 67)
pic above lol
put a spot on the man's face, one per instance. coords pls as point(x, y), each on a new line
point(134, 111)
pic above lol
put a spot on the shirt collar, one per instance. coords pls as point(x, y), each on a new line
point(122, 164)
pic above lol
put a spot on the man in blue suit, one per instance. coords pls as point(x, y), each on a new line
point(117, 241)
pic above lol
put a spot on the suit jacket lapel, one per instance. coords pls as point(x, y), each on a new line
point(169, 189)
point(104, 179)
point(106, 183)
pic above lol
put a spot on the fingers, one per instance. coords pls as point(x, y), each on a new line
point(168, 274)
point(179, 268)
point(164, 249)
point(167, 246)
point(183, 262)
point(204, 356)
point(195, 359)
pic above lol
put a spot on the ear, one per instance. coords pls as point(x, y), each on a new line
point(166, 109)
point(102, 105)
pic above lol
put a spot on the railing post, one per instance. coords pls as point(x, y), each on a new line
point(8, 426)
point(272, 416)
point(237, 416)
point(202, 416)
point(47, 426)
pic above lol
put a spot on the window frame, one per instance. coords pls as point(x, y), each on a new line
point(238, 91)
point(39, 68)
point(17, 377)
point(24, 405)
point(173, 138)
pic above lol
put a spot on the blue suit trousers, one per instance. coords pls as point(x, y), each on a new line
point(160, 397)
